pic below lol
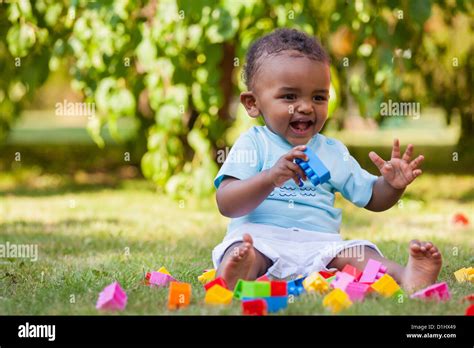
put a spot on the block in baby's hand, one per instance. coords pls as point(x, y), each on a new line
point(112, 298)
point(314, 168)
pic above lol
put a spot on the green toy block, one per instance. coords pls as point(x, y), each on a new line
point(252, 289)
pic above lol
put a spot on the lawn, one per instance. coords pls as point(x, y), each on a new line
point(91, 235)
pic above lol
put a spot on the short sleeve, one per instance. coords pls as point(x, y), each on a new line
point(243, 160)
point(354, 183)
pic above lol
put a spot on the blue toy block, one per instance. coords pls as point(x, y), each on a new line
point(314, 169)
point(276, 303)
point(295, 287)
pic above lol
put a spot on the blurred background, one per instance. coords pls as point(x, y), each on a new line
point(95, 92)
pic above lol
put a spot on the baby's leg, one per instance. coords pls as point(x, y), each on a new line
point(422, 269)
point(242, 261)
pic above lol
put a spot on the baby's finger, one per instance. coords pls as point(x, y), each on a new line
point(378, 161)
point(417, 172)
point(297, 170)
point(296, 154)
point(396, 149)
point(416, 162)
point(408, 153)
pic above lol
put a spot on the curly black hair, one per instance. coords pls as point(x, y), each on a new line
point(278, 41)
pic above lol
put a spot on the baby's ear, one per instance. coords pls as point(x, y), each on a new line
point(250, 103)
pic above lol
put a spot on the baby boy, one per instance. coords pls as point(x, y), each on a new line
point(283, 229)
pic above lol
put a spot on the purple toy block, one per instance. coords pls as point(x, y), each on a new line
point(357, 291)
point(112, 298)
point(342, 280)
point(438, 292)
point(160, 279)
point(372, 271)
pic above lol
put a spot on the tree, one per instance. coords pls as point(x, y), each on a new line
point(173, 66)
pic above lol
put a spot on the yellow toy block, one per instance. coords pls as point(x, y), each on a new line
point(465, 275)
point(208, 276)
point(164, 270)
point(337, 300)
point(315, 282)
point(386, 286)
point(218, 295)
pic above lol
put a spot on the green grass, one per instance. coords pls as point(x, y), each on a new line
point(83, 249)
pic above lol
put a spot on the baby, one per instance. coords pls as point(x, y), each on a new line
point(284, 230)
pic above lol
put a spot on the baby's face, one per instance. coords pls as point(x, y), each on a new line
point(291, 92)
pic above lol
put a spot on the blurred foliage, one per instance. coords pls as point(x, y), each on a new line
point(174, 66)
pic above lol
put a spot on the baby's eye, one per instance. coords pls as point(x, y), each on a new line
point(319, 98)
point(289, 96)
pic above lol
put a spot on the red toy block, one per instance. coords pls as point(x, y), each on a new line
point(349, 269)
point(254, 307)
point(278, 288)
point(218, 281)
point(263, 278)
point(469, 298)
point(147, 278)
point(326, 275)
point(470, 310)
point(460, 219)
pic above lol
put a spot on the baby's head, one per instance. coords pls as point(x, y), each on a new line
point(287, 76)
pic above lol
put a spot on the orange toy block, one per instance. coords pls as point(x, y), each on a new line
point(179, 295)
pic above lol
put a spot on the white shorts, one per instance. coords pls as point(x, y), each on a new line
point(293, 251)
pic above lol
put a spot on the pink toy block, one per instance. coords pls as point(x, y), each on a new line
point(357, 291)
point(372, 271)
point(112, 298)
point(438, 292)
point(160, 279)
point(342, 280)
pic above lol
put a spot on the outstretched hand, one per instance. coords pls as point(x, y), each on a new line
point(398, 172)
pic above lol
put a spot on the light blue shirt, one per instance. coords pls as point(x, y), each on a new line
point(308, 207)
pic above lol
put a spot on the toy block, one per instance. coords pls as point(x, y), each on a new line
point(263, 278)
point(373, 270)
point(164, 270)
point(295, 288)
point(337, 300)
point(460, 219)
point(276, 303)
point(439, 292)
point(113, 297)
point(342, 280)
point(251, 289)
point(147, 278)
point(254, 307)
point(470, 310)
point(217, 295)
point(331, 279)
point(326, 275)
point(218, 281)
point(349, 269)
point(208, 276)
point(278, 288)
point(160, 279)
point(386, 286)
point(357, 291)
point(179, 295)
point(469, 298)
point(314, 168)
point(315, 283)
point(465, 275)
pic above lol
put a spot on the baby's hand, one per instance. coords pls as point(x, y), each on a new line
point(285, 169)
point(398, 172)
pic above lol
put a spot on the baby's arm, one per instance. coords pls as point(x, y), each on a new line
point(239, 197)
point(397, 174)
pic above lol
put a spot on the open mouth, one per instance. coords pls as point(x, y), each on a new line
point(301, 127)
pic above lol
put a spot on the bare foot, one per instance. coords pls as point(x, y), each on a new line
point(424, 264)
point(236, 265)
